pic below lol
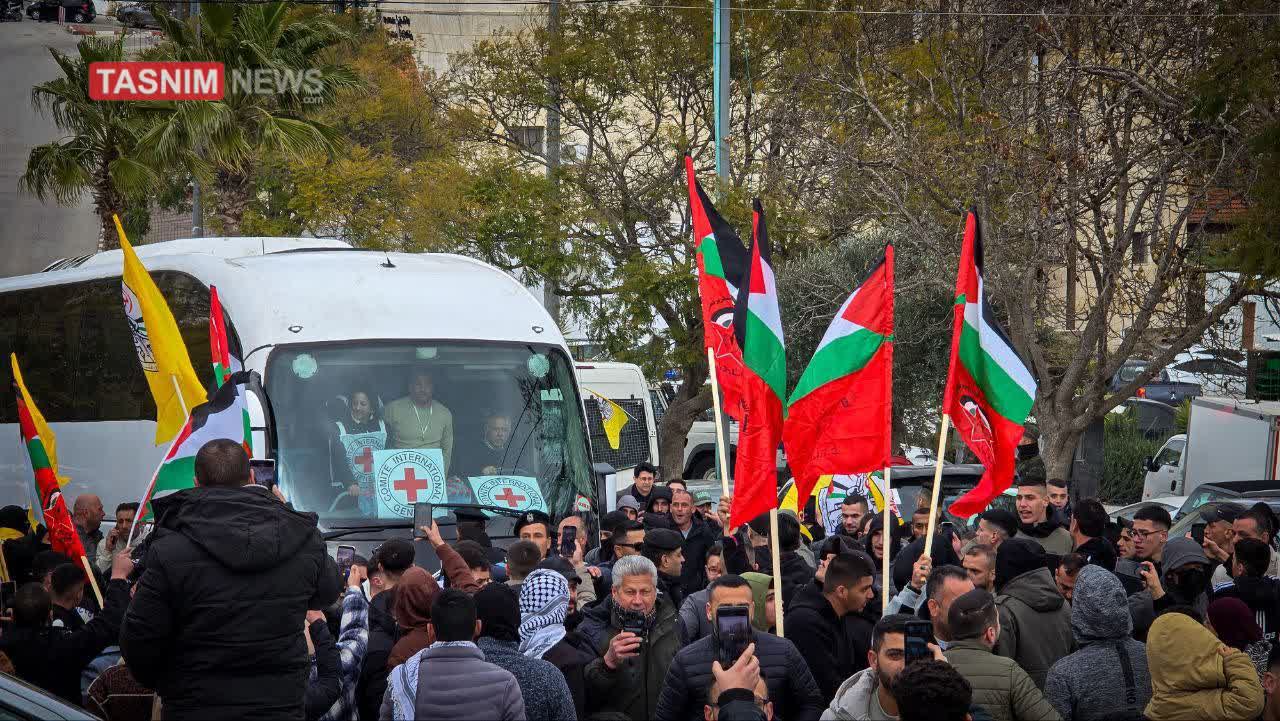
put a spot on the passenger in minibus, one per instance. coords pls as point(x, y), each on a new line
point(420, 421)
point(354, 440)
point(490, 455)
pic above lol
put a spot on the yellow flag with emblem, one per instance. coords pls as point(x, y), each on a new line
point(613, 417)
point(173, 381)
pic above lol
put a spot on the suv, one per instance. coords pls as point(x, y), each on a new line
point(77, 11)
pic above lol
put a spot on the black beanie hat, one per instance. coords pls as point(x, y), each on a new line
point(498, 610)
point(1015, 557)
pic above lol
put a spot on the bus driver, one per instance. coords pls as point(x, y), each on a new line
point(420, 421)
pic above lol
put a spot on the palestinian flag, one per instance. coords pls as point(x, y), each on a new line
point(63, 537)
point(758, 325)
point(840, 418)
point(218, 347)
point(223, 416)
point(722, 262)
point(989, 389)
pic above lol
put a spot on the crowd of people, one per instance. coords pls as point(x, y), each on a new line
point(232, 607)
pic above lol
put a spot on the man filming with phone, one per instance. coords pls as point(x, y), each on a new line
point(636, 634)
point(730, 609)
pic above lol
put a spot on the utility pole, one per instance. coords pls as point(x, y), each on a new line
point(720, 75)
point(551, 299)
point(197, 205)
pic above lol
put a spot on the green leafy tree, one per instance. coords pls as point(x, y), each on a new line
point(98, 154)
point(222, 142)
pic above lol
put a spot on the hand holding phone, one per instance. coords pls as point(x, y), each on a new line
point(264, 472)
point(346, 558)
point(423, 518)
point(732, 633)
point(569, 542)
point(916, 641)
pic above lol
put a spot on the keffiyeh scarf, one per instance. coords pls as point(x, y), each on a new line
point(544, 603)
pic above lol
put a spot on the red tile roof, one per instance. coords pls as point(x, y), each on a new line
point(1225, 205)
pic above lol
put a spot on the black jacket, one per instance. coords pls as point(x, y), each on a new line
point(327, 685)
point(383, 634)
point(1261, 595)
point(215, 626)
point(1099, 552)
point(52, 658)
point(792, 688)
point(836, 648)
point(796, 572)
point(701, 538)
point(672, 588)
point(572, 660)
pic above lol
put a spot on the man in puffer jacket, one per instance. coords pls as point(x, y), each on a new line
point(999, 685)
point(1107, 678)
point(1194, 676)
point(792, 689)
point(1035, 620)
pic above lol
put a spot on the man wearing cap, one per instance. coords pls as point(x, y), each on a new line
point(535, 527)
point(1035, 620)
point(665, 548)
point(1258, 523)
point(995, 526)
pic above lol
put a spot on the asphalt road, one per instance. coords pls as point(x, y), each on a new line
point(33, 234)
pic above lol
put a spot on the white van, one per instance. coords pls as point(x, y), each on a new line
point(317, 321)
point(624, 384)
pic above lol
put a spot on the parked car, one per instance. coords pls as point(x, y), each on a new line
point(1172, 504)
point(136, 15)
point(1162, 387)
point(1155, 420)
point(1216, 375)
point(21, 700)
point(77, 11)
point(1245, 492)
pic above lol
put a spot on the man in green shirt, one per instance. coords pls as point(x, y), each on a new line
point(420, 421)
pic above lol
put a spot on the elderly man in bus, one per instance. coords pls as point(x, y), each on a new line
point(420, 421)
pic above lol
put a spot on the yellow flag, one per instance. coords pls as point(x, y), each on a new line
point(173, 381)
point(43, 431)
point(613, 417)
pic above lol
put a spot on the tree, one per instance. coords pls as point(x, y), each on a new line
point(615, 238)
point(99, 154)
point(221, 142)
point(1074, 135)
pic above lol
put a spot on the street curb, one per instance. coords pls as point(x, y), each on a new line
point(91, 31)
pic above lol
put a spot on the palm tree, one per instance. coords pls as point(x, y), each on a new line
point(221, 141)
point(99, 153)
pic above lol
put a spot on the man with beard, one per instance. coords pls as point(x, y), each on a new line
point(868, 694)
point(1035, 522)
point(852, 509)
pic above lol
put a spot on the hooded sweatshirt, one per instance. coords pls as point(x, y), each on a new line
point(1049, 533)
point(1178, 552)
point(857, 700)
point(1108, 677)
point(1190, 678)
point(1035, 620)
point(760, 585)
point(228, 571)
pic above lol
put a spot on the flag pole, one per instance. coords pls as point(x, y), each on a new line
point(146, 495)
point(885, 534)
point(93, 580)
point(721, 447)
point(777, 569)
point(937, 483)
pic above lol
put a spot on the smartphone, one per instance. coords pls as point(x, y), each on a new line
point(264, 471)
point(568, 541)
point(732, 633)
point(346, 558)
point(1197, 533)
point(633, 623)
point(916, 641)
point(422, 513)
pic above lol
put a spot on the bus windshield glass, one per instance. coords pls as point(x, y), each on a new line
point(365, 430)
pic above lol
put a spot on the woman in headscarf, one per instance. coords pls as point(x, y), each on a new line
point(414, 594)
point(1233, 623)
point(544, 605)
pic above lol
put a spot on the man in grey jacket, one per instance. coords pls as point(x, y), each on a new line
point(450, 679)
point(1035, 620)
point(867, 695)
point(1108, 677)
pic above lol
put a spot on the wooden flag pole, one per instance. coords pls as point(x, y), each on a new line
point(93, 580)
point(886, 494)
point(777, 569)
point(937, 483)
point(722, 449)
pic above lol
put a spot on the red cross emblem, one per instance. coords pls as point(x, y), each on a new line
point(509, 497)
point(411, 485)
point(365, 459)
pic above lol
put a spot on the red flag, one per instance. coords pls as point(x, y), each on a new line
point(218, 347)
point(62, 533)
point(722, 261)
point(840, 420)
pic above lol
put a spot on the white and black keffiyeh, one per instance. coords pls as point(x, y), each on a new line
point(544, 603)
